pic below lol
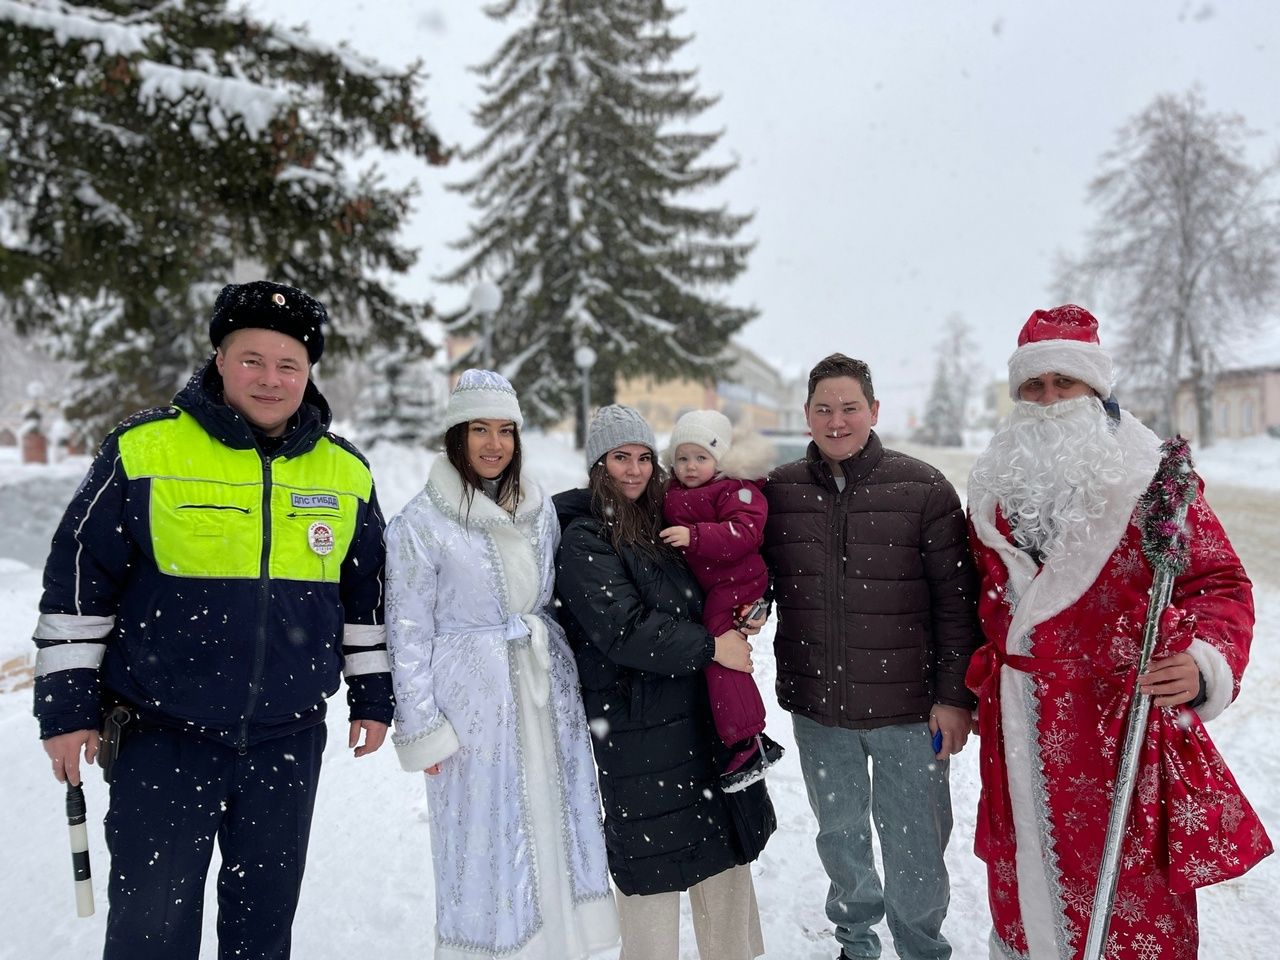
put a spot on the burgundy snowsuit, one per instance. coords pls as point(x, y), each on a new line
point(725, 518)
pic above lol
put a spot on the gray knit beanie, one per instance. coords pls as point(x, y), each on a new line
point(615, 426)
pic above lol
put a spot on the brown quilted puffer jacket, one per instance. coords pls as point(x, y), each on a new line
point(875, 588)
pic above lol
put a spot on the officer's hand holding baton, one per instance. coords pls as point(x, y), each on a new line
point(64, 752)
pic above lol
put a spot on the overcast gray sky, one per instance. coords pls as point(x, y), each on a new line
point(904, 160)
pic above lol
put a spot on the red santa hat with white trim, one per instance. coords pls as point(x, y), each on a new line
point(1061, 340)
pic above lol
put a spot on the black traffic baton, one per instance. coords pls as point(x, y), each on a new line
point(79, 850)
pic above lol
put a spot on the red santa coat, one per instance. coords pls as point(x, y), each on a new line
point(1054, 681)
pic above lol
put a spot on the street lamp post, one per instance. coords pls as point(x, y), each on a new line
point(484, 302)
point(584, 358)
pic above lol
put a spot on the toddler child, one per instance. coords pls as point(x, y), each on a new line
point(716, 517)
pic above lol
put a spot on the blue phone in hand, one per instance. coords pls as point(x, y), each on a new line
point(937, 741)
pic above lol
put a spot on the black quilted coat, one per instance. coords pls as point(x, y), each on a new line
point(634, 625)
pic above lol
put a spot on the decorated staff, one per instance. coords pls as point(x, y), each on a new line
point(1112, 637)
point(1164, 543)
point(79, 850)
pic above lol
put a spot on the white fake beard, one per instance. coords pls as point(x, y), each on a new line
point(1050, 469)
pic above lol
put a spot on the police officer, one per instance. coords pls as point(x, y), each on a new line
point(216, 572)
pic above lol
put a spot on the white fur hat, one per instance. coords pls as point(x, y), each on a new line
point(482, 395)
point(709, 429)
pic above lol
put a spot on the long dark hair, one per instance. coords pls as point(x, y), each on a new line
point(631, 523)
point(508, 493)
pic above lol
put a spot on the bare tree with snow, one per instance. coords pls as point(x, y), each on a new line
point(585, 220)
point(1186, 247)
point(147, 149)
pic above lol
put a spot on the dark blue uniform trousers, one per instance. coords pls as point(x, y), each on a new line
point(172, 793)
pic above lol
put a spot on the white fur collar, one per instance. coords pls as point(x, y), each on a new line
point(1066, 577)
point(444, 487)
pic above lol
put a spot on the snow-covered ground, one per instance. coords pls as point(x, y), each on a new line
point(368, 890)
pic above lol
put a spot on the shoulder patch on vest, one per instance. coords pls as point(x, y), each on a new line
point(345, 444)
point(138, 419)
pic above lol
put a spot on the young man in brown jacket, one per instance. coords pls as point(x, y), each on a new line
point(876, 597)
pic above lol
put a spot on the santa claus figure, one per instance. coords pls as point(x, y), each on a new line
point(1065, 531)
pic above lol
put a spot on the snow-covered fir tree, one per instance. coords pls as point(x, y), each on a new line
point(146, 148)
point(586, 219)
point(945, 409)
point(403, 401)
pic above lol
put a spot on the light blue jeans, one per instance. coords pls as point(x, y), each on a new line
point(891, 772)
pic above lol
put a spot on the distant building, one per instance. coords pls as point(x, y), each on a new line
point(1246, 403)
point(1246, 394)
point(750, 392)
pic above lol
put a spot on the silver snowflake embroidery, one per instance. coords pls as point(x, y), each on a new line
point(1146, 946)
point(1128, 907)
point(1188, 815)
point(1103, 598)
point(1232, 813)
point(1055, 747)
point(1005, 872)
point(1148, 787)
point(1199, 872)
point(1108, 747)
point(1078, 895)
point(1129, 565)
point(1211, 543)
point(1225, 849)
point(1076, 819)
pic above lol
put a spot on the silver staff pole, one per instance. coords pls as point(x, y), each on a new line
point(79, 850)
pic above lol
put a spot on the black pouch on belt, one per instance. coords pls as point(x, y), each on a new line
point(114, 725)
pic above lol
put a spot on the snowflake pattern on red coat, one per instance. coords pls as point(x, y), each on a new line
point(1058, 695)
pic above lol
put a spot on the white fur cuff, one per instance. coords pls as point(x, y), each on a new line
point(1218, 679)
point(422, 750)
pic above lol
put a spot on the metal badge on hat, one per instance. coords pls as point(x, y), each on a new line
point(278, 299)
point(320, 538)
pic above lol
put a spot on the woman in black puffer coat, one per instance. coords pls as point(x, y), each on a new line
point(631, 610)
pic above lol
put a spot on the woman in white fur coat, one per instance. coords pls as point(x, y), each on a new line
point(487, 699)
